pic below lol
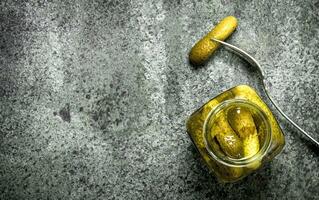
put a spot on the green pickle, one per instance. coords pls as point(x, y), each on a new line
point(228, 140)
point(235, 133)
point(241, 120)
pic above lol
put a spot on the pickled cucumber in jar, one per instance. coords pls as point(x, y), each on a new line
point(242, 122)
point(235, 133)
point(232, 134)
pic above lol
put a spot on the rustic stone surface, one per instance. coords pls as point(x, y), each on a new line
point(94, 96)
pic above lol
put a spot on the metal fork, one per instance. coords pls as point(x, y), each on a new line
point(254, 63)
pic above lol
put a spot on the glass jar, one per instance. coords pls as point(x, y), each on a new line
point(235, 133)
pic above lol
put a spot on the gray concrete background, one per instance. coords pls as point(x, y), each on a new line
point(94, 96)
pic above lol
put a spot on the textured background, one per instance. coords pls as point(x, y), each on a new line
point(94, 96)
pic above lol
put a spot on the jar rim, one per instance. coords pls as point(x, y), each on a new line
point(241, 162)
